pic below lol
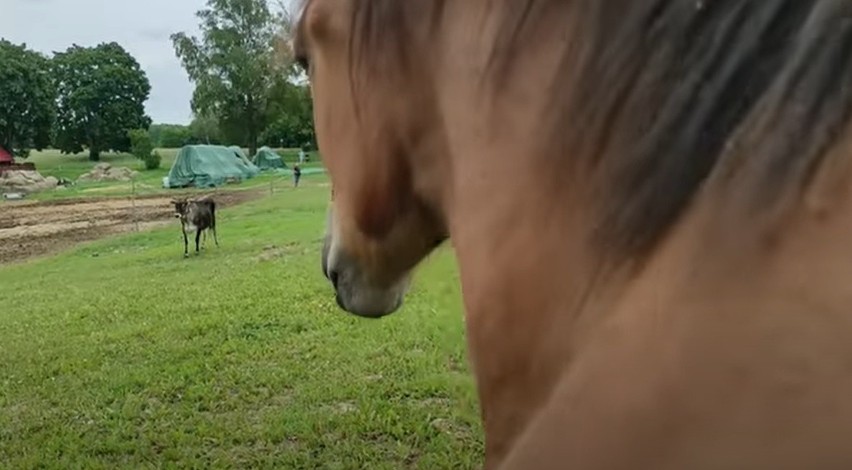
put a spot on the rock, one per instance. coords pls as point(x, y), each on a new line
point(51, 182)
point(103, 166)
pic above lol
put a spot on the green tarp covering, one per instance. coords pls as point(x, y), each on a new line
point(209, 165)
point(267, 159)
point(239, 152)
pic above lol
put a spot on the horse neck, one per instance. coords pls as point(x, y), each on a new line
point(510, 200)
point(532, 290)
point(531, 285)
point(520, 226)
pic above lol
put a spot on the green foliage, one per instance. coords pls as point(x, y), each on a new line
point(171, 135)
point(202, 130)
point(140, 143)
point(142, 148)
point(205, 130)
point(234, 67)
point(152, 161)
point(27, 99)
point(291, 109)
point(102, 91)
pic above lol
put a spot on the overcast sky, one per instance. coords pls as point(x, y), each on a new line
point(140, 26)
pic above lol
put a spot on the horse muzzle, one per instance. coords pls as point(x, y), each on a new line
point(358, 297)
point(354, 290)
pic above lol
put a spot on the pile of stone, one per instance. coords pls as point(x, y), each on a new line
point(25, 181)
point(106, 172)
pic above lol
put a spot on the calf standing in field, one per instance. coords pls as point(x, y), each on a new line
point(196, 215)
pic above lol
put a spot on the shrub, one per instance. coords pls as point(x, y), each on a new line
point(152, 161)
point(140, 144)
point(142, 148)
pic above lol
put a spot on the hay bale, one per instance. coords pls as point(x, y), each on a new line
point(106, 172)
point(13, 179)
point(26, 181)
point(32, 176)
point(116, 174)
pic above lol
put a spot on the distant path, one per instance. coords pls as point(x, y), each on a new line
point(29, 229)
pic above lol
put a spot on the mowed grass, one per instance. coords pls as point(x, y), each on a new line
point(122, 354)
point(53, 163)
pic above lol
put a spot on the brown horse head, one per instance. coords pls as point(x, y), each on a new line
point(382, 220)
point(629, 188)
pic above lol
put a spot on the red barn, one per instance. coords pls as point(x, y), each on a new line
point(7, 163)
point(6, 158)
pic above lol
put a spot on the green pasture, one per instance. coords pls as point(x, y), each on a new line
point(122, 354)
point(53, 163)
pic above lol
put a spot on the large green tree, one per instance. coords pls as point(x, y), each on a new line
point(170, 135)
point(27, 99)
point(102, 92)
point(205, 129)
point(291, 116)
point(233, 66)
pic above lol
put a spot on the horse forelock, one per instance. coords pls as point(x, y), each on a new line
point(381, 41)
point(385, 35)
point(653, 97)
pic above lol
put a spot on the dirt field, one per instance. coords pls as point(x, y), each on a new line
point(30, 229)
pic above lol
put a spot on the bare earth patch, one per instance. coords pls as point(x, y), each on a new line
point(29, 229)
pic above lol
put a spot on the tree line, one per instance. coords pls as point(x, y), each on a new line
point(82, 98)
point(246, 82)
point(247, 90)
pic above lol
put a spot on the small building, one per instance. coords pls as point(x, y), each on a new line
point(6, 157)
point(7, 163)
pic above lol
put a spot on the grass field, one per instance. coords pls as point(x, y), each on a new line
point(53, 163)
point(120, 353)
point(72, 166)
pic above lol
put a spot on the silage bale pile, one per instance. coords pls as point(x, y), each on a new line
point(25, 181)
point(106, 172)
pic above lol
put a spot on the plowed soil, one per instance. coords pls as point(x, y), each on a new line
point(29, 229)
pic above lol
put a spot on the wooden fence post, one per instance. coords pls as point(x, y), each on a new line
point(133, 203)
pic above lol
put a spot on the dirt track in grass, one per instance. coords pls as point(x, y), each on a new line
point(30, 229)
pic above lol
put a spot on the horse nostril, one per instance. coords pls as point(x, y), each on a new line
point(333, 277)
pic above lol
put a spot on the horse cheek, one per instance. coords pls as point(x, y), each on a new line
point(384, 200)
